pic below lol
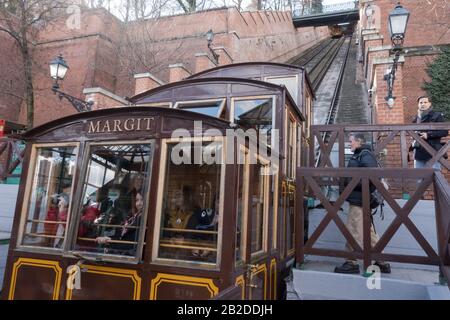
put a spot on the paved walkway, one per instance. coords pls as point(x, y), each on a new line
point(3, 255)
point(8, 196)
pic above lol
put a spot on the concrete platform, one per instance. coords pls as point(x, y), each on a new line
point(317, 280)
point(315, 285)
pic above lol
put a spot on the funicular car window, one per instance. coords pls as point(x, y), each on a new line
point(259, 205)
point(190, 202)
point(112, 215)
point(213, 108)
point(290, 218)
point(291, 83)
point(50, 197)
point(255, 113)
point(241, 209)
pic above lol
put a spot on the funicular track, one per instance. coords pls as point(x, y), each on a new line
point(317, 61)
point(319, 65)
point(332, 111)
point(310, 53)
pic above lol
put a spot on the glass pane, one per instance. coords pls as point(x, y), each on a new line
point(256, 114)
point(114, 196)
point(282, 213)
point(48, 212)
point(190, 211)
point(291, 146)
point(210, 108)
point(290, 222)
point(273, 207)
point(289, 82)
point(209, 111)
point(241, 189)
point(257, 209)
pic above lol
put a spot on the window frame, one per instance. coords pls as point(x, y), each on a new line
point(193, 102)
point(290, 189)
point(74, 223)
point(290, 118)
point(245, 98)
point(245, 194)
point(155, 259)
point(275, 193)
point(27, 198)
point(167, 104)
point(265, 238)
point(294, 97)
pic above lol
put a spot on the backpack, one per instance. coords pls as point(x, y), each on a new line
point(376, 198)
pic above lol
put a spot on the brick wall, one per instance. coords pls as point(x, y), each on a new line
point(428, 21)
point(11, 79)
point(106, 53)
point(414, 77)
point(422, 34)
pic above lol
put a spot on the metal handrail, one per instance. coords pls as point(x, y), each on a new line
point(319, 8)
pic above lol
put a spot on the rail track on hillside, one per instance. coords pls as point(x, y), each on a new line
point(317, 61)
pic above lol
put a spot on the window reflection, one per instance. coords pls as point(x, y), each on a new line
point(258, 202)
point(209, 108)
point(256, 114)
point(290, 83)
point(240, 210)
point(191, 207)
point(49, 204)
point(114, 199)
point(290, 219)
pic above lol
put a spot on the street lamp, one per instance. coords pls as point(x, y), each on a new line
point(398, 20)
point(209, 38)
point(58, 70)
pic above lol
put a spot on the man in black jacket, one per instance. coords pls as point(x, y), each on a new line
point(362, 157)
point(425, 114)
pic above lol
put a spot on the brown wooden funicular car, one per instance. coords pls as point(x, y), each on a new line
point(159, 200)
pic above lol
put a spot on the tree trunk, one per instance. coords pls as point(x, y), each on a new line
point(29, 92)
point(27, 66)
point(127, 11)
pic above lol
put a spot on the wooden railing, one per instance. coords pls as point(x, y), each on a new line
point(442, 202)
point(9, 150)
point(398, 137)
point(309, 176)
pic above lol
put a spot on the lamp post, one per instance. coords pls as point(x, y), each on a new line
point(398, 20)
point(209, 38)
point(58, 70)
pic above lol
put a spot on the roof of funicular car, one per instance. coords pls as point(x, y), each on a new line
point(243, 65)
point(83, 116)
point(226, 80)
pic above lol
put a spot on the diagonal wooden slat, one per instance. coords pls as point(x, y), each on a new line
point(381, 145)
point(390, 231)
point(323, 154)
point(402, 217)
point(328, 149)
point(429, 149)
point(332, 213)
point(439, 156)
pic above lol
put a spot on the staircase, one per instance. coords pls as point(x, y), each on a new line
point(352, 101)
